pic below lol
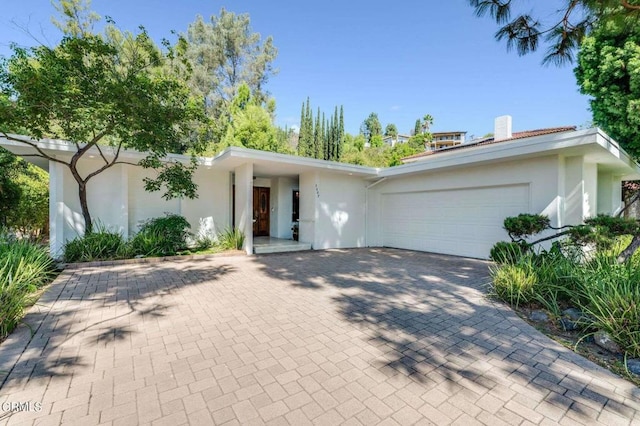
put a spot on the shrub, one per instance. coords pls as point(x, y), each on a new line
point(24, 267)
point(100, 244)
point(524, 225)
point(515, 283)
point(231, 239)
point(609, 292)
point(161, 236)
point(507, 252)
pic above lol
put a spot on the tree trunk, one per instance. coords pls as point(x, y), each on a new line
point(82, 193)
point(631, 248)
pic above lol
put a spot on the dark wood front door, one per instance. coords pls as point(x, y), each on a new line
point(260, 211)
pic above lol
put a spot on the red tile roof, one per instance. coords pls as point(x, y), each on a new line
point(488, 141)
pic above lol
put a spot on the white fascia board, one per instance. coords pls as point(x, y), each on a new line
point(533, 146)
point(257, 157)
point(614, 149)
point(65, 148)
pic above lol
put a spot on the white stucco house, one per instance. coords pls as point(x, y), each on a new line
point(451, 201)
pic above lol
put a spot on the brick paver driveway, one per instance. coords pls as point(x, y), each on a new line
point(361, 336)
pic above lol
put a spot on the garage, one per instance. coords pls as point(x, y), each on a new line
point(462, 222)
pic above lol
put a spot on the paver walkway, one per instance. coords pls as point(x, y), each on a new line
point(365, 336)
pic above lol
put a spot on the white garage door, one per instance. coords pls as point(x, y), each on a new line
point(463, 222)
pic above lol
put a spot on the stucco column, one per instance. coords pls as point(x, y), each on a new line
point(244, 203)
point(56, 208)
point(309, 195)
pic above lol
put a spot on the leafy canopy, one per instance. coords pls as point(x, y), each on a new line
point(609, 71)
point(104, 93)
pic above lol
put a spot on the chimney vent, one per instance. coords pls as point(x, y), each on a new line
point(502, 128)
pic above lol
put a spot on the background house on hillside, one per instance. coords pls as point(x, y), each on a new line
point(394, 140)
point(446, 139)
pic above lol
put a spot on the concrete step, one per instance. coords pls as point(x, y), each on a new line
point(280, 247)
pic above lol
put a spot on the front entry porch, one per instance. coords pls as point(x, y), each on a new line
point(264, 245)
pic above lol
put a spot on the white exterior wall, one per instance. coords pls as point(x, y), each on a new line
point(209, 213)
point(308, 208)
point(118, 201)
point(609, 193)
point(144, 205)
point(541, 176)
point(107, 199)
point(580, 191)
point(340, 215)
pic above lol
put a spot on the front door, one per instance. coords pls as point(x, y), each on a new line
point(260, 211)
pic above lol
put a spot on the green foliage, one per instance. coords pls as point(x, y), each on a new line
point(609, 292)
point(420, 141)
point(609, 71)
point(391, 130)
point(525, 225)
point(402, 150)
point(10, 192)
point(31, 215)
point(24, 268)
point(508, 252)
point(376, 141)
point(225, 54)
point(514, 283)
point(614, 226)
point(161, 236)
point(104, 89)
point(251, 125)
point(371, 127)
point(231, 239)
point(100, 244)
point(322, 139)
point(24, 196)
point(563, 32)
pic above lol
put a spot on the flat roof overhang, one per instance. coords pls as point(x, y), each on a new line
point(595, 145)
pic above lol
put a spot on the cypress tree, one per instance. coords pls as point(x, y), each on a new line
point(309, 126)
point(417, 129)
point(325, 142)
point(341, 133)
point(317, 138)
point(301, 132)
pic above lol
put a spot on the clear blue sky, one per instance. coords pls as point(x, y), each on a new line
point(400, 59)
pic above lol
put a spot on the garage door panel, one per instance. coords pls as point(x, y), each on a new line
point(464, 222)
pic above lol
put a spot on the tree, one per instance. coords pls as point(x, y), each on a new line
point(371, 127)
point(319, 138)
point(563, 34)
point(224, 53)
point(251, 125)
point(318, 143)
point(391, 130)
point(609, 71)
point(305, 140)
point(427, 121)
point(103, 93)
point(417, 128)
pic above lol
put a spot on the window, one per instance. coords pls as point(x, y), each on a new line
point(295, 214)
